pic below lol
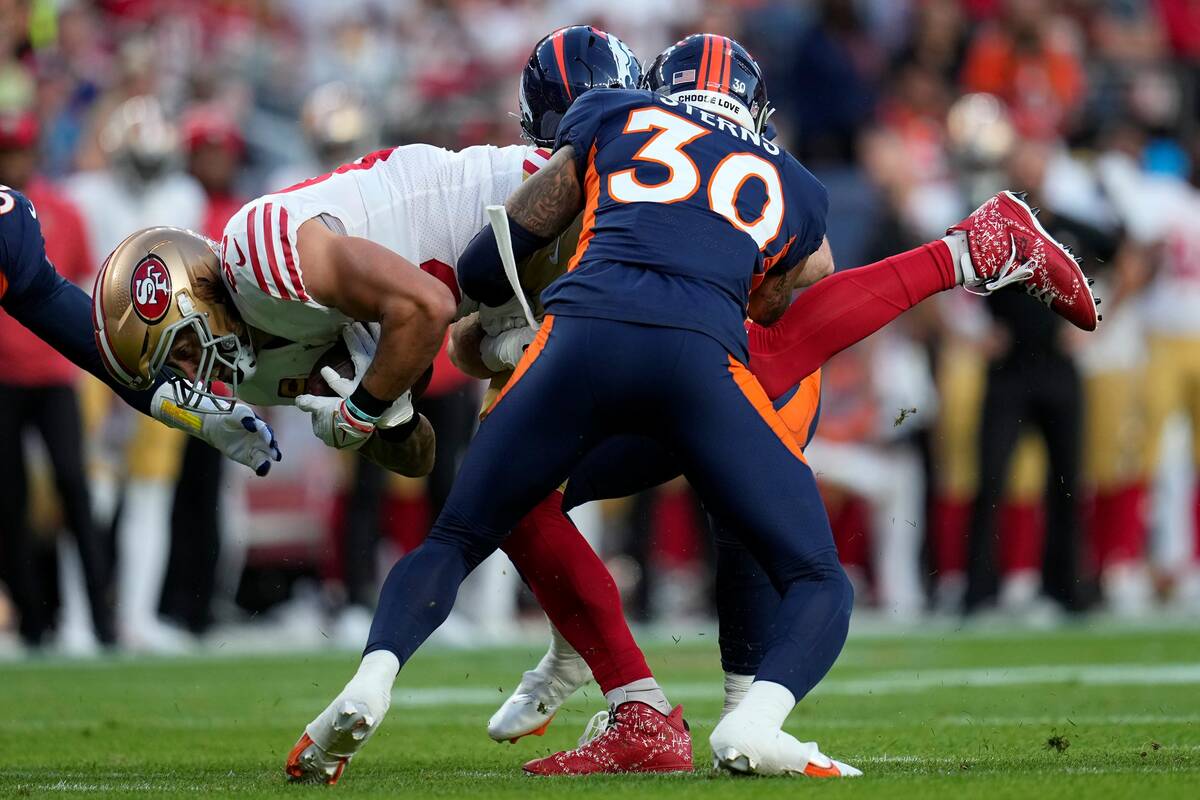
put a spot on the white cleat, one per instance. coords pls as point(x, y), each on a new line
point(542, 691)
point(332, 739)
point(341, 729)
point(744, 748)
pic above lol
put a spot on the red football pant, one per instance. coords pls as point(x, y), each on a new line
point(577, 593)
point(570, 581)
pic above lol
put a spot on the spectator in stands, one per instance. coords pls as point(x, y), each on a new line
point(1029, 60)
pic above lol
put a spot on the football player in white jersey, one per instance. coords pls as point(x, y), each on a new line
point(372, 241)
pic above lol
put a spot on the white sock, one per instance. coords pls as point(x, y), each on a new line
point(767, 703)
point(960, 255)
point(645, 691)
point(371, 686)
point(736, 687)
point(560, 648)
point(566, 668)
point(376, 675)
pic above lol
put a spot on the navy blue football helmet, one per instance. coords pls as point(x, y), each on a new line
point(563, 66)
point(715, 73)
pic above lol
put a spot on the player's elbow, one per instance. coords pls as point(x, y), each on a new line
point(438, 307)
point(430, 308)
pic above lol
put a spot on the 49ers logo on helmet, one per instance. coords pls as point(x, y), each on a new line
point(150, 289)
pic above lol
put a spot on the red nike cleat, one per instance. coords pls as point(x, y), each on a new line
point(1008, 245)
point(636, 738)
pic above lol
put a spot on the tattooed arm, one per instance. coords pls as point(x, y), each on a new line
point(543, 206)
point(551, 199)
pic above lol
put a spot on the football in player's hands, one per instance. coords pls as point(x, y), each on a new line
point(338, 357)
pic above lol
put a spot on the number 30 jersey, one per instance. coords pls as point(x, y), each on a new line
point(684, 212)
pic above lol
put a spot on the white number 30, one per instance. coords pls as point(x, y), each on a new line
point(683, 178)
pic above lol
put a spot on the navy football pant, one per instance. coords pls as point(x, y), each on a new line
point(584, 380)
point(746, 599)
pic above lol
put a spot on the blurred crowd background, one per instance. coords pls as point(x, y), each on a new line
point(976, 456)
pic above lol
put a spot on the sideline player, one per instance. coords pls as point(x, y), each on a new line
point(60, 314)
point(653, 347)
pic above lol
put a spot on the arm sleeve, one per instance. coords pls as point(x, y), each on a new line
point(60, 314)
point(480, 271)
point(581, 125)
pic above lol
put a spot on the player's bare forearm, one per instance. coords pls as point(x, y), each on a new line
point(551, 199)
point(370, 283)
point(817, 266)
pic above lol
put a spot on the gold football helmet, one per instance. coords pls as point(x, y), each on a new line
point(157, 298)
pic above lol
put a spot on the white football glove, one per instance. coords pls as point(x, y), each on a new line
point(498, 319)
point(362, 341)
point(240, 435)
point(501, 352)
point(333, 423)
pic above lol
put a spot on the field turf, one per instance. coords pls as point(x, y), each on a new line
point(1080, 713)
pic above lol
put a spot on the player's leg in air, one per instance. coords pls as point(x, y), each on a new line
point(825, 319)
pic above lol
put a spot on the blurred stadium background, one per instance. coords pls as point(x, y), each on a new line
point(971, 451)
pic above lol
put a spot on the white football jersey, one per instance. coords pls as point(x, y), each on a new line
point(422, 202)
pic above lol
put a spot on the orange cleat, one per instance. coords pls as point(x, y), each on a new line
point(633, 737)
point(535, 732)
point(308, 763)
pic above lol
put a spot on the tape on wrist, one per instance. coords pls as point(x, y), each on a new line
point(366, 405)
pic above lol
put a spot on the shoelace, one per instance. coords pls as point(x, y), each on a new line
point(597, 726)
point(1009, 273)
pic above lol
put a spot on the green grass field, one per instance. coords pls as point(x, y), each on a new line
point(1078, 714)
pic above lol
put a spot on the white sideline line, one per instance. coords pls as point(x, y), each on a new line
point(882, 683)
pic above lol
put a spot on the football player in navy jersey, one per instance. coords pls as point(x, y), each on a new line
point(60, 313)
point(691, 222)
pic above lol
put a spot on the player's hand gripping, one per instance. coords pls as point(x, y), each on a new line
point(335, 421)
point(507, 335)
point(240, 435)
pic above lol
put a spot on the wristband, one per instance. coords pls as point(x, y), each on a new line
point(400, 432)
point(355, 418)
point(366, 405)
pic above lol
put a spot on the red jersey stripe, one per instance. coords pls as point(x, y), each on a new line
point(288, 258)
point(284, 291)
point(252, 241)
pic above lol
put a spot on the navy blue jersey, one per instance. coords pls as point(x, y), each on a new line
point(684, 212)
point(32, 291)
point(22, 250)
